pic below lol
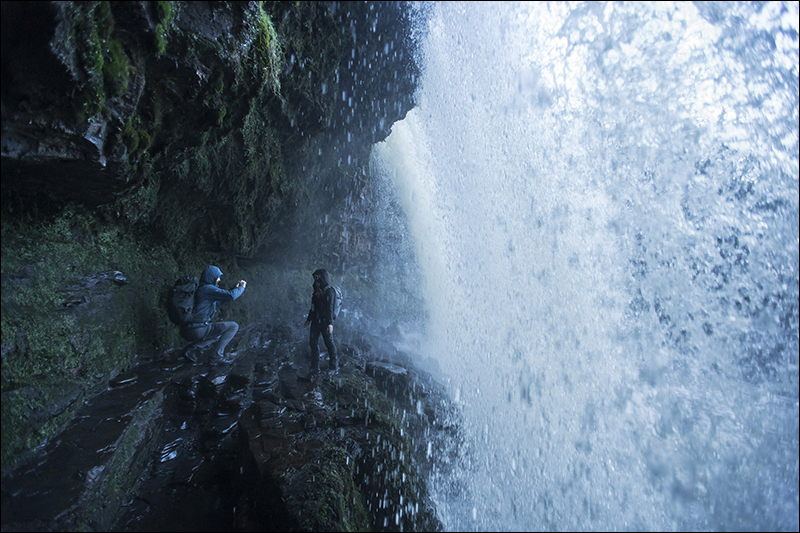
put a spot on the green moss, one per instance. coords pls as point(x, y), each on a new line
point(117, 68)
point(161, 39)
point(130, 133)
point(239, 184)
point(325, 496)
point(252, 130)
point(139, 206)
point(139, 132)
point(56, 397)
point(384, 475)
point(95, 55)
point(266, 50)
point(54, 328)
point(166, 14)
point(84, 31)
point(132, 451)
point(156, 109)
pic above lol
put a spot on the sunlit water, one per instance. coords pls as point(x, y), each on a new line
point(603, 201)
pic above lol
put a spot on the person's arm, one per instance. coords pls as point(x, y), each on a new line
point(310, 315)
point(223, 295)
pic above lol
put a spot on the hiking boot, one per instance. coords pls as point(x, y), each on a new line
point(220, 361)
point(312, 373)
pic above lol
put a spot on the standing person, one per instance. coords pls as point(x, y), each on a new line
point(203, 332)
point(320, 318)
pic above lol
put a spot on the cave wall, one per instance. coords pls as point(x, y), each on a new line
point(144, 140)
point(210, 122)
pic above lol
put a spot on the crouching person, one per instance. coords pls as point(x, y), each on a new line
point(202, 332)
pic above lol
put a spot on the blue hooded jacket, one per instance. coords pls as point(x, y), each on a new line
point(208, 294)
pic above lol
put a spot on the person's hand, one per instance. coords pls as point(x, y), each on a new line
point(330, 328)
point(242, 283)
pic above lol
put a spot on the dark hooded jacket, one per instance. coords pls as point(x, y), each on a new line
point(322, 306)
point(208, 294)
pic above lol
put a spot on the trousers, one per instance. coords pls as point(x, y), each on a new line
point(316, 331)
point(202, 336)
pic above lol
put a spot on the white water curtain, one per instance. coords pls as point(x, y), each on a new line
point(604, 203)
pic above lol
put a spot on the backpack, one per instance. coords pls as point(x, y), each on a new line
point(337, 300)
point(180, 302)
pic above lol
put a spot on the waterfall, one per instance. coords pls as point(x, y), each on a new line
point(603, 204)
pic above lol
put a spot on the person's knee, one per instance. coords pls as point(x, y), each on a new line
point(229, 328)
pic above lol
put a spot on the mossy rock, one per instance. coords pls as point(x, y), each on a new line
point(324, 496)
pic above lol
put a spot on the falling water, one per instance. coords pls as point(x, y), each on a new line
point(603, 200)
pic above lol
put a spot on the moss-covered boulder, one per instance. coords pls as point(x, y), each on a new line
point(345, 455)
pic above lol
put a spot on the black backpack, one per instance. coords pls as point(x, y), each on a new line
point(180, 302)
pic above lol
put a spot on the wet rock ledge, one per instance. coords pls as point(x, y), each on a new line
point(171, 446)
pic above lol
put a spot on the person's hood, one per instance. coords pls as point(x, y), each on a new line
point(323, 276)
point(210, 275)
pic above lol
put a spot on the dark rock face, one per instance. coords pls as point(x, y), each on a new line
point(48, 145)
point(141, 140)
point(159, 133)
point(252, 111)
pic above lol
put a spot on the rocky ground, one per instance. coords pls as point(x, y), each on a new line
point(252, 446)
